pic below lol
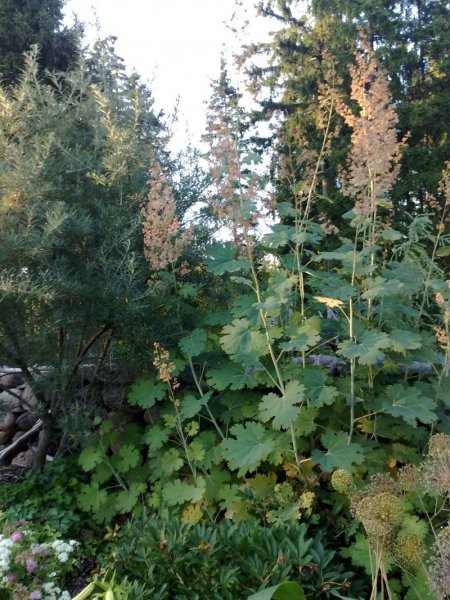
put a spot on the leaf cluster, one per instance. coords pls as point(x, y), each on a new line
point(224, 560)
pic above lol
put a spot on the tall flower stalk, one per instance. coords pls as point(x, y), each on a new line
point(163, 239)
point(371, 170)
point(373, 163)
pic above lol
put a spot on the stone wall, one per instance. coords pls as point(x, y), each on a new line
point(18, 417)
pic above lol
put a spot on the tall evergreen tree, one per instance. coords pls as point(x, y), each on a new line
point(24, 23)
point(414, 49)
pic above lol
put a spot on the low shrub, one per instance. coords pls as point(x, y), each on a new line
point(34, 563)
point(227, 560)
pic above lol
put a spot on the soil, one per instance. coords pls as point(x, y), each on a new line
point(83, 575)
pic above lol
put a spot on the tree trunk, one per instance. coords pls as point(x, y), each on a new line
point(45, 438)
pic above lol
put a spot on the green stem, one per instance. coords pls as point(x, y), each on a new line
point(202, 395)
point(440, 228)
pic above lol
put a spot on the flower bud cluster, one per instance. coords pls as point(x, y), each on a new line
point(408, 551)
point(164, 366)
point(380, 513)
point(163, 239)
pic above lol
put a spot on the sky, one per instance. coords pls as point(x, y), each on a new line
point(174, 44)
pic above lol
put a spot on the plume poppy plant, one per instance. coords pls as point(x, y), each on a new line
point(373, 163)
point(163, 240)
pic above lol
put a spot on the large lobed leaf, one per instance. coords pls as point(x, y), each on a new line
point(409, 403)
point(285, 408)
point(243, 343)
point(340, 454)
point(251, 444)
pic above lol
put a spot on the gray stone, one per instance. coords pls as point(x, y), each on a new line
point(82, 394)
point(28, 398)
point(10, 380)
point(27, 420)
point(7, 422)
point(24, 459)
point(5, 436)
point(87, 373)
point(17, 436)
point(8, 402)
point(114, 398)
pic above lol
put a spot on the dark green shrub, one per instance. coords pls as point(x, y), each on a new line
point(226, 561)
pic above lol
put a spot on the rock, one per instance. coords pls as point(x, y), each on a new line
point(82, 394)
point(11, 379)
point(17, 436)
point(8, 422)
point(87, 373)
point(5, 437)
point(28, 398)
point(8, 402)
point(27, 421)
point(24, 459)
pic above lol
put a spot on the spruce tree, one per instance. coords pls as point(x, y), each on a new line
point(24, 23)
point(312, 48)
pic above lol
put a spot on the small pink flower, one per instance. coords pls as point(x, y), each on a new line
point(16, 536)
point(36, 595)
point(31, 565)
point(11, 579)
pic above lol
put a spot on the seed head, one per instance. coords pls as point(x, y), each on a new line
point(439, 566)
point(380, 513)
point(342, 481)
point(409, 551)
point(436, 467)
point(409, 479)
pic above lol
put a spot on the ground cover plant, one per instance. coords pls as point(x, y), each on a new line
point(284, 395)
point(34, 562)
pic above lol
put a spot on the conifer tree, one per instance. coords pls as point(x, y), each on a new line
point(412, 45)
point(24, 23)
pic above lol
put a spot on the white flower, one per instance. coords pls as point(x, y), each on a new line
point(65, 596)
point(5, 555)
point(63, 557)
